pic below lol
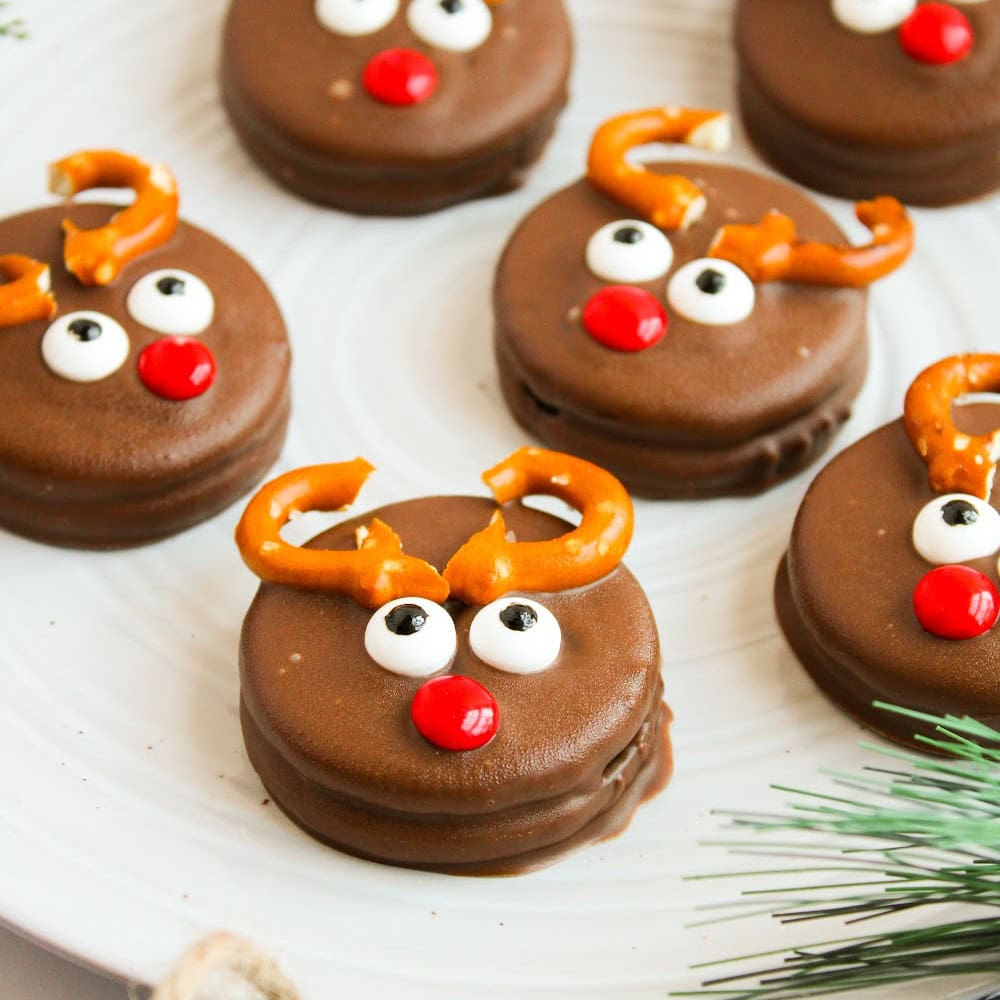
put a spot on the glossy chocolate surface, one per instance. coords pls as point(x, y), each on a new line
point(854, 115)
point(845, 589)
point(709, 409)
point(329, 730)
point(106, 464)
point(294, 93)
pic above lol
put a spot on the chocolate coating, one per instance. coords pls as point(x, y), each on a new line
point(707, 410)
point(108, 464)
point(852, 114)
point(329, 731)
point(489, 119)
point(844, 591)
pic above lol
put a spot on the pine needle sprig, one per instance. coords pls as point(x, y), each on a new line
point(13, 27)
point(923, 832)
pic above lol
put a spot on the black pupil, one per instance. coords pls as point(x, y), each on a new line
point(710, 281)
point(518, 617)
point(85, 329)
point(956, 512)
point(451, 6)
point(171, 285)
point(628, 234)
point(406, 619)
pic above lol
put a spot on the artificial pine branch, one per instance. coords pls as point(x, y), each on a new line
point(13, 28)
point(923, 833)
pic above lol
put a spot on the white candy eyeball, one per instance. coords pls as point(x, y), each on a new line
point(411, 636)
point(85, 346)
point(456, 25)
point(173, 302)
point(870, 16)
point(955, 528)
point(355, 17)
point(516, 635)
point(628, 252)
point(712, 292)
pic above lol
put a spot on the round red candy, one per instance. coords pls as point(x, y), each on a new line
point(177, 367)
point(400, 77)
point(956, 602)
point(455, 713)
point(936, 33)
point(625, 318)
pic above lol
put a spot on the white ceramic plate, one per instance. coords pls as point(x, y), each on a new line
point(131, 821)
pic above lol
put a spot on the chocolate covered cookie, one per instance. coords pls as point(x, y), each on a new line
point(864, 97)
point(697, 329)
point(888, 591)
point(145, 377)
point(395, 107)
point(451, 683)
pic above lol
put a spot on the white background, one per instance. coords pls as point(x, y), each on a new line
point(131, 822)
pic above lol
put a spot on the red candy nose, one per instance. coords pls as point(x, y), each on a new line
point(625, 318)
point(936, 33)
point(455, 713)
point(177, 367)
point(956, 602)
point(400, 77)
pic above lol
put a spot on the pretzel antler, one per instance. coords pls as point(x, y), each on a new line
point(957, 462)
point(27, 293)
point(668, 201)
point(489, 565)
point(375, 573)
point(96, 256)
point(769, 251)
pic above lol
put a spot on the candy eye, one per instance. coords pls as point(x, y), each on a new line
point(713, 292)
point(411, 636)
point(173, 302)
point(85, 346)
point(457, 25)
point(355, 17)
point(516, 635)
point(956, 528)
point(870, 16)
point(628, 252)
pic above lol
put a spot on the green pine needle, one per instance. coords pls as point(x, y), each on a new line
point(921, 834)
point(13, 28)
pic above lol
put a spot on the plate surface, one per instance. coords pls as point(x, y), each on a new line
point(132, 823)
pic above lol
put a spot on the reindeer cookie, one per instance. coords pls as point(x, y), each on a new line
point(452, 683)
point(861, 97)
point(697, 329)
point(395, 107)
point(145, 377)
point(889, 588)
